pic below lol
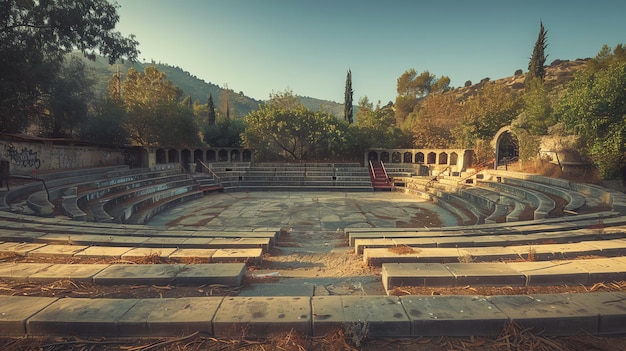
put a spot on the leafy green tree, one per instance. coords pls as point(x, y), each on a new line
point(283, 128)
point(34, 36)
point(412, 87)
point(537, 116)
point(375, 128)
point(594, 108)
point(438, 115)
point(155, 116)
point(225, 132)
point(493, 107)
point(69, 99)
point(347, 105)
point(536, 66)
point(105, 124)
point(211, 107)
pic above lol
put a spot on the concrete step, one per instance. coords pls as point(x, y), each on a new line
point(381, 316)
point(559, 272)
point(229, 274)
point(545, 252)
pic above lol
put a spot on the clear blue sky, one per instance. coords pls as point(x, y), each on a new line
point(265, 46)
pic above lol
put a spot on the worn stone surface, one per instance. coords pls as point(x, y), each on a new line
point(103, 251)
point(486, 274)
point(229, 274)
point(15, 311)
point(381, 315)
point(80, 317)
point(57, 250)
point(20, 249)
point(416, 274)
point(192, 255)
point(262, 316)
point(237, 255)
point(550, 273)
point(453, 315)
point(75, 272)
point(170, 316)
point(20, 271)
point(144, 252)
point(552, 314)
point(139, 274)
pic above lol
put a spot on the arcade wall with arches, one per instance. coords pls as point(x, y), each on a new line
point(437, 160)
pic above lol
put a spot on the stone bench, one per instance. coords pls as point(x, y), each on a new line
point(228, 274)
point(562, 272)
point(540, 252)
point(384, 316)
point(543, 204)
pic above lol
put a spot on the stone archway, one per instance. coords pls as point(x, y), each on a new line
point(506, 145)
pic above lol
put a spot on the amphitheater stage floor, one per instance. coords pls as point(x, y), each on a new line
point(306, 211)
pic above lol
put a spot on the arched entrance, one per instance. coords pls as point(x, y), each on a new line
point(506, 145)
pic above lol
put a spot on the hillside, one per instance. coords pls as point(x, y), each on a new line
point(197, 88)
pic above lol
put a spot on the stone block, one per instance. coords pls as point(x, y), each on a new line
point(74, 272)
point(146, 253)
point(453, 315)
point(20, 271)
point(327, 315)
point(20, 249)
point(57, 250)
point(103, 251)
point(16, 310)
point(192, 255)
point(229, 274)
point(80, 317)
point(486, 274)
point(170, 317)
point(262, 316)
point(556, 314)
point(381, 315)
point(254, 256)
point(138, 274)
point(415, 274)
point(550, 273)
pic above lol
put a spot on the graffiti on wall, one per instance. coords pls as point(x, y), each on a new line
point(25, 158)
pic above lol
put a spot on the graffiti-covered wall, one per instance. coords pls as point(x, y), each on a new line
point(26, 156)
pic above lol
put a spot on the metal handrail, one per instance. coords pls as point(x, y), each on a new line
point(213, 174)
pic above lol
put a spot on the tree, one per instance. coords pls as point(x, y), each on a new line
point(412, 88)
point(211, 107)
point(536, 66)
point(225, 132)
point(155, 116)
point(594, 108)
point(283, 129)
point(68, 102)
point(105, 124)
point(347, 105)
point(438, 115)
point(374, 128)
point(493, 107)
point(537, 116)
point(34, 36)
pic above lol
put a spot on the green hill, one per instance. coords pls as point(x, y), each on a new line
point(197, 88)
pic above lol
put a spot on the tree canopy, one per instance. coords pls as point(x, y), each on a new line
point(34, 36)
point(536, 66)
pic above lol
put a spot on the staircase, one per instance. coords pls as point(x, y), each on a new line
point(378, 174)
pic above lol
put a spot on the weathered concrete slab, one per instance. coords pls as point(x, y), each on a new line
point(237, 255)
point(550, 273)
point(262, 316)
point(556, 251)
point(57, 250)
point(20, 271)
point(382, 315)
point(486, 274)
point(170, 317)
point(416, 274)
point(228, 243)
point(615, 247)
point(147, 252)
point(360, 244)
point(556, 314)
point(103, 251)
point(161, 241)
point(376, 257)
point(611, 309)
point(20, 249)
point(453, 315)
point(478, 254)
point(602, 269)
point(192, 255)
point(327, 315)
point(229, 274)
point(75, 239)
point(15, 311)
point(138, 274)
point(80, 317)
point(73, 272)
point(20, 234)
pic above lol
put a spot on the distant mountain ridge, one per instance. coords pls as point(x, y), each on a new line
point(197, 88)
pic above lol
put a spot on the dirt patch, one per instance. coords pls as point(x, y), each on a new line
point(403, 250)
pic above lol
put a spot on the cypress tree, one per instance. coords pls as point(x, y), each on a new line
point(211, 111)
point(348, 108)
point(536, 66)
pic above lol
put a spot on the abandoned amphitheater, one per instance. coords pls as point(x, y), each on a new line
point(229, 245)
